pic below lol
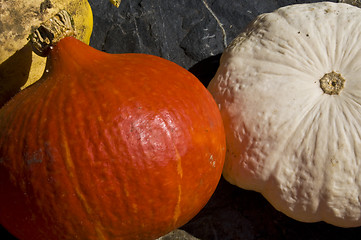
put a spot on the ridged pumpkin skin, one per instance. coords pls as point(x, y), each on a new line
point(289, 90)
point(107, 146)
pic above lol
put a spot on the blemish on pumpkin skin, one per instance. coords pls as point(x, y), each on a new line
point(125, 188)
point(45, 5)
point(36, 157)
point(135, 208)
point(212, 161)
point(177, 211)
point(179, 163)
point(334, 162)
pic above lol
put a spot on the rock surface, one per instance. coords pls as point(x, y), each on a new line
point(183, 31)
point(193, 34)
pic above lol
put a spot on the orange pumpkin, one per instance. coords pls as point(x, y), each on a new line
point(107, 146)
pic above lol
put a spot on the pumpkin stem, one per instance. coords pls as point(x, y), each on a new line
point(51, 32)
point(332, 83)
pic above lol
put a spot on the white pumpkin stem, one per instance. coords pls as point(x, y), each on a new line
point(51, 31)
point(332, 83)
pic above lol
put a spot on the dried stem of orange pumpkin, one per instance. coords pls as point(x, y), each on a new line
point(51, 31)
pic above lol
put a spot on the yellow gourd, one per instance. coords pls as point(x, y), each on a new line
point(19, 66)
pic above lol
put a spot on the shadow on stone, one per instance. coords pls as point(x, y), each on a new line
point(206, 69)
point(233, 213)
point(14, 73)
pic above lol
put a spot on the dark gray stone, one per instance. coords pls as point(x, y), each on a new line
point(236, 214)
point(183, 31)
point(178, 234)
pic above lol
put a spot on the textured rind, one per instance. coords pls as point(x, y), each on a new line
point(19, 66)
point(287, 139)
point(127, 146)
point(17, 23)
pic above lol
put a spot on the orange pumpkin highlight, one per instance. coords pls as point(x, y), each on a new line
point(107, 146)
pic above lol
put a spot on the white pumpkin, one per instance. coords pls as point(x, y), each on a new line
point(289, 90)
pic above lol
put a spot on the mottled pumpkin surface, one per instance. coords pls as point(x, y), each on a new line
point(289, 92)
point(107, 146)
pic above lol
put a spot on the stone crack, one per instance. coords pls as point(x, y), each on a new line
point(218, 22)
